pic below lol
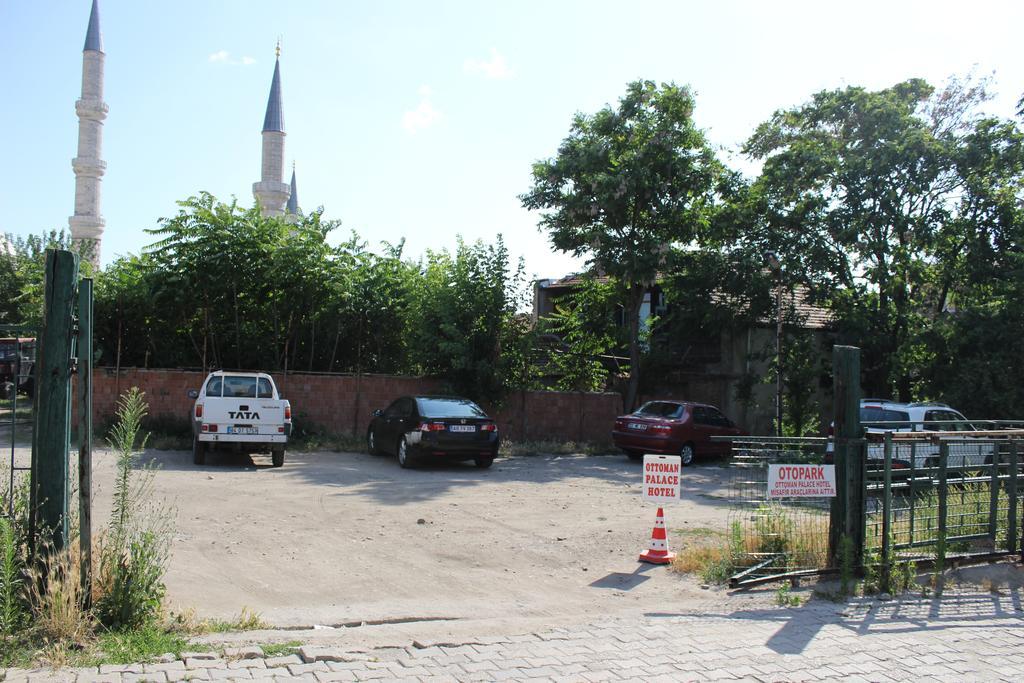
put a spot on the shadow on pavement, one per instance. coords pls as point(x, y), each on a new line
point(624, 581)
point(868, 615)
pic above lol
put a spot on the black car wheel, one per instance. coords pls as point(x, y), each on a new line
point(404, 457)
point(198, 451)
point(371, 442)
point(686, 454)
point(635, 455)
point(484, 461)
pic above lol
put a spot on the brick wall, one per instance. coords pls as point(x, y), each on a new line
point(343, 404)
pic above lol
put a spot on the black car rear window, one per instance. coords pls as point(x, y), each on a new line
point(449, 407)
point(660, 409)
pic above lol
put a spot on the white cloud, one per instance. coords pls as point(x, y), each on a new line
point(224, 57)
point(422, 117)
point(497, 67)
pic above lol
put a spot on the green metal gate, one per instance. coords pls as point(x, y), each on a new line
point(774, 537)
point(17, 363)
point(944, 496)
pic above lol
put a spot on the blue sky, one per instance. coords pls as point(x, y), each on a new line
point(421, 119)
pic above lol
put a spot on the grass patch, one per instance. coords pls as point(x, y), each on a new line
point(138, 645)
point(144, 644)
point(311, 442)
point(247, 620)
point(281, 649)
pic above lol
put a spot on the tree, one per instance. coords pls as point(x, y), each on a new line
point(584, 322)
point(463, 322)
point(855, 191)
point(626, 184)
point(22, 275)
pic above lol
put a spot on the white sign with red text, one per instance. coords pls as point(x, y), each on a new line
point(801, 481)
point(661, 478)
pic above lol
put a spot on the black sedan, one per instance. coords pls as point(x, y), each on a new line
point(418, 428)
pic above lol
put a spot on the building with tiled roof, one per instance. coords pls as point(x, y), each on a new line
point(726, 368)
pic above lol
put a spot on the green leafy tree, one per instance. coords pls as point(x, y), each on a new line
point(627, 183)
point(856, 189)
point(462, 317)
point(584, 323)
point(22, 275)
point(970, 354)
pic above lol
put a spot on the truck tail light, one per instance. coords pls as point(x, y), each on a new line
point(489, 427)
point(199, 410)
point(432, 427)
point(280, 430)
point(288, 412)
point(209, 428)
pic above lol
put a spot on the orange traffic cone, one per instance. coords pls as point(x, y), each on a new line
point(658, 553)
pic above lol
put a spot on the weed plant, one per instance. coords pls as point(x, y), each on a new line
point(134, 554)
point(789, 540)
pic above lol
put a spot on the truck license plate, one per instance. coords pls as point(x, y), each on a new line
point(243, 430)
point(462, 428)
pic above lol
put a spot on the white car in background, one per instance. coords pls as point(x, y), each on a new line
point(919, 417)
point(242, 410)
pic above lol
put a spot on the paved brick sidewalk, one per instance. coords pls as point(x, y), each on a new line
point(968, 636)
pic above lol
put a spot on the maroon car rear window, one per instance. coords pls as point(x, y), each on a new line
point(660, 409)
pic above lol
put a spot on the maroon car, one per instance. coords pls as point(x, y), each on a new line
point(674, 428)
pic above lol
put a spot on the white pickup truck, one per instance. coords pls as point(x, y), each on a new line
point(242, 409)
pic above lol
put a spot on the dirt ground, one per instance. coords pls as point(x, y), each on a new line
point(337, 540)
point(349, 548)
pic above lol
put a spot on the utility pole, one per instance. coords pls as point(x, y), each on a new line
point(776, 265)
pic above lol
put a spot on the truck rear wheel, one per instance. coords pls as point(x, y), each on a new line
point(198, 451)
point(277, 457)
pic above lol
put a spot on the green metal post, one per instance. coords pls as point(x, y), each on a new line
point(943, 488)
point(1011, 490)
point(85, 304)
point(993, 500)
point(910, 492)
point(847, 514)
point(52, 435)
point(887, 513)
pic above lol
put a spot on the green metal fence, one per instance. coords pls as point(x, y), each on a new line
point(16, 422)
point(944, 495)
point(774, 536)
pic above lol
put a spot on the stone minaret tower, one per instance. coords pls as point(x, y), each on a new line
point(270, 192)
point(293, 200)
point(87, 223)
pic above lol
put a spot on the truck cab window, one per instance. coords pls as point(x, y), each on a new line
point(215, 387)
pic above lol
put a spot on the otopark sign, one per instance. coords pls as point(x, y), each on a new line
point(801, 481)
point(661, 485)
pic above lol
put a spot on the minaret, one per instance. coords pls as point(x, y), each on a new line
point(270, 192)
point(87, 223)
point(293, 200)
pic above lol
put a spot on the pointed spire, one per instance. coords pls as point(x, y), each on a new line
point(274, 119)
point(293, 200)
point(93, 37)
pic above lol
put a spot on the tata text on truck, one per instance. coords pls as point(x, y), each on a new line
point(241, 410)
